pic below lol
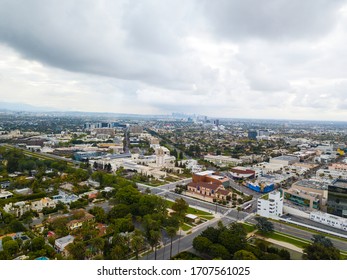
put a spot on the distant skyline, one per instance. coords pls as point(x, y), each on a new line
point(273, 59)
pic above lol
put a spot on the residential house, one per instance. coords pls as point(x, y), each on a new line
point(61, 243)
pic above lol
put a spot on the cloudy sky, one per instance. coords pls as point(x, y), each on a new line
point(282, 59)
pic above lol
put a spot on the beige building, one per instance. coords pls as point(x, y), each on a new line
point(223, 160)
point(40, 204)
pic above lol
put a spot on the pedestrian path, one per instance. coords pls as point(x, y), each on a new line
point(282, 243)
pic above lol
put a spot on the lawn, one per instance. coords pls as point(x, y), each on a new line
point(299, 242)
point(194, 211)
point(248, 227)
point(186, 227)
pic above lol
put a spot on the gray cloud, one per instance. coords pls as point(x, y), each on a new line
point(271, 19)
point(194, 55)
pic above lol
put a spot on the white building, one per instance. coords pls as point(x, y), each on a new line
point(270, 205)
point(61, 243)
point(326, 158)
point(40, 204)
point(5, 194)
point(284, 160)
point(192, 165)
point(328, 219)
point(331, 174)
point(163, 158)
point(325, 148)
point(223, 160)
point(17, 209)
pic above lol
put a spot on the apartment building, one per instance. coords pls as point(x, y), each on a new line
point(270, 205)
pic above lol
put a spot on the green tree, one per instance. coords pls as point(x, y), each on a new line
point(97, 245)
point(16, 226)
point(211, 233)
point(99, 214)
point(124, 224)
point(6, 239)
point(11, 248)
point(77, 249)
point(233, 241)
point(149, 204)
point(120, 248)
point(153, 240)
point(37, 243)
point(321, 249)
point(137, 242)
point(171, 232)
point(181, 155)
point(202, 244)
point(27, 217)
point(218, 251)
point(244, 255)
point(127, 195)
point(174, 153)
point(264, 225)
point(180, 207)
point(119, 211)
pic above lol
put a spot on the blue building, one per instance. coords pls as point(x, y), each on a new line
point(262, 187)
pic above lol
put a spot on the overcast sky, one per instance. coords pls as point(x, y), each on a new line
point(282, 59)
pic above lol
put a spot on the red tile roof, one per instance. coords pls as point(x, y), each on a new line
point(223, 192)
point(210, 186)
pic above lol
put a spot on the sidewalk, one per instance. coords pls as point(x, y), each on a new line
point(281, 243)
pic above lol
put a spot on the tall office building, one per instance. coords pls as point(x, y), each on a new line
point(337, 198)
point(252, 134)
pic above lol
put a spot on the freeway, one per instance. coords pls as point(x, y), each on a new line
point(41, 155)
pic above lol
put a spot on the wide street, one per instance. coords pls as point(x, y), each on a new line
point(184, 243)
point(300, 233)
point(222, 213)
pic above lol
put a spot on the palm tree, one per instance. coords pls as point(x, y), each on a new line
point(154, 237)
point(171, 232)
point(137, 242)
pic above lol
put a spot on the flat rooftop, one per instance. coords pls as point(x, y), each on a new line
point(218, 177)
point(65, 239)
point(207, 172)
point(340, 184)
point(285, 158)
point(317, 185)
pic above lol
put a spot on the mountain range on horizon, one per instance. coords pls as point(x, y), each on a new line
point(14, 106)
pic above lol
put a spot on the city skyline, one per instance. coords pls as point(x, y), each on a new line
point(232, 59)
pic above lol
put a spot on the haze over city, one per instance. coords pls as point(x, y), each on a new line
point(240, 59)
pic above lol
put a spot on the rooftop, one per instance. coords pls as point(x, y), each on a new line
point(340, 183)
point(65, 239)
point(211, 186)
point(207, 172)
point(285, 158)
point(313, 184)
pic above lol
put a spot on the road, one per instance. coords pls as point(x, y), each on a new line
point(184, 243)
point(315, 224)
point(41, 155)
point(289, 229)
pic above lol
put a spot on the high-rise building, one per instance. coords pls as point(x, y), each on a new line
point(337, 198)
point(252, 134)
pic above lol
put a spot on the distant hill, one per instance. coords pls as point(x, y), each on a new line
point(9, 106)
